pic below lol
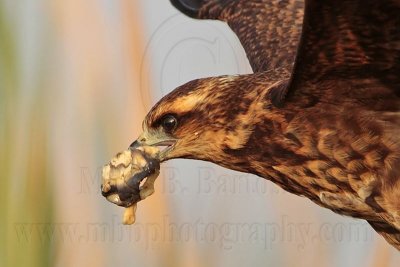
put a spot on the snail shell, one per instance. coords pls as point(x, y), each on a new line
point(123, 175)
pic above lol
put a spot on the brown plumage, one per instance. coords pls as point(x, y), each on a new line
point(319, 117)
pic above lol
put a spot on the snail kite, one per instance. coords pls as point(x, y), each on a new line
point(320, 114)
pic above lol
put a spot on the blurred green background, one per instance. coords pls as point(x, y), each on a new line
point(76, 79)
point(25, 174)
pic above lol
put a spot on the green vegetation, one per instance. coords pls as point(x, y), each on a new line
point(25, 173)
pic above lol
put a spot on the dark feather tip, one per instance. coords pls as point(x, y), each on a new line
point(188, 7)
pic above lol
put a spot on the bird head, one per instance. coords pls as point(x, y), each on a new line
point(205, 118)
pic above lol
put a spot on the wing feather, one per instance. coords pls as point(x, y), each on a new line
point(391, 234)
point(350, 39)
point(269, 30)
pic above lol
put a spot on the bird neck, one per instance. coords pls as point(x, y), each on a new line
point(274, 149)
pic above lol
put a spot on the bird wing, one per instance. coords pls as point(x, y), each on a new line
point(351, 48)
point(269, 30)
point(349, 39)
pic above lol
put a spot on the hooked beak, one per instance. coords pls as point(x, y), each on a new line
point(166, 145)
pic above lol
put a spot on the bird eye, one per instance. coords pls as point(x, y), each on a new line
point(169, 123)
